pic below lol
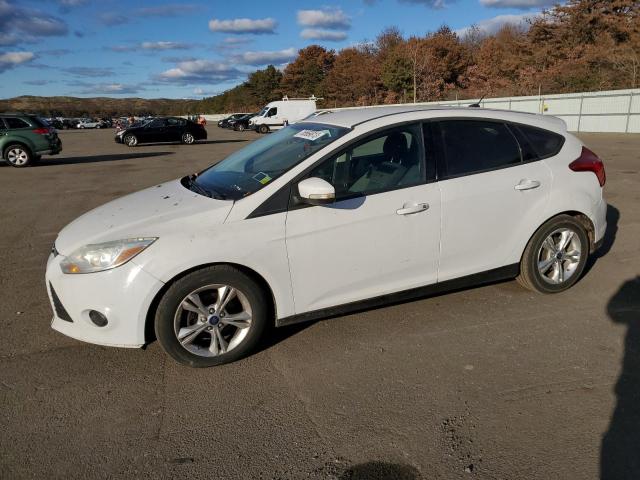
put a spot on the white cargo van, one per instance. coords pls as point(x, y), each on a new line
point(281, 113)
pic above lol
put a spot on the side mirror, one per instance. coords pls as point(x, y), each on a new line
point(316, 191)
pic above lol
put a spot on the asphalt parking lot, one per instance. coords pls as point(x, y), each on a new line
point(493, 382)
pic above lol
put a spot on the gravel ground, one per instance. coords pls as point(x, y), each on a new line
point(493, 382)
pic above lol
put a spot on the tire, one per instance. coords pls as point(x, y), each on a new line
point(263, 129)
point(18, 155)
point(240, 128)
point(188, 138)
point(130, 140)
point(197, 325)
point(548, 267)
point(98, 126)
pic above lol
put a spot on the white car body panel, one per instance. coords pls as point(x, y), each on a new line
point(475, 209)
point(361, 248)
point(322, 256)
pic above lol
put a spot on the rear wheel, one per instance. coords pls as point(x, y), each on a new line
point(555, 256)
point(18, 156)
point(130, 140)
point(211, 316)
point(188, 138)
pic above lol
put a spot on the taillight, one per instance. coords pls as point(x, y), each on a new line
point(589, 162)
point(41, 131)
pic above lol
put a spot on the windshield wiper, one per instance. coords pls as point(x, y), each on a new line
point(196, 187)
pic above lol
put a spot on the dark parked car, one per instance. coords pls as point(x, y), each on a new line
point(163, 129)
point(242, 123)
point(25, 138)
point(224, 123)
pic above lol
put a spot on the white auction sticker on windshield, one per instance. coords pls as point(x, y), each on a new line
point(312, 135)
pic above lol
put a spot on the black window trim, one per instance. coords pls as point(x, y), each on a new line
point(275, 204)
point(441, 162)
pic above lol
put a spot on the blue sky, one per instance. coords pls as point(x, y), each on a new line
point(192, 49)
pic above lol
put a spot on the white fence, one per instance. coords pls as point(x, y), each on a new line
point(605, 111)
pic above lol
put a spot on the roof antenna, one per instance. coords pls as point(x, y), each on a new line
point(477, 104)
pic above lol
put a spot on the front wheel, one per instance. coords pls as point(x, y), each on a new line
point(130, 140)
point(555, 256)
point(263, 129)
point(240, 128)
point(211, 316)
point(188, 138)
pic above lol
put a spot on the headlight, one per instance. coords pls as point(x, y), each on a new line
point(103, 256)
point(120, 133)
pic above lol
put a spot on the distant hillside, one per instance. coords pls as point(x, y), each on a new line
point(98, 106)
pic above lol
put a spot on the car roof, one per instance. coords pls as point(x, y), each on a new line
point(351, 117)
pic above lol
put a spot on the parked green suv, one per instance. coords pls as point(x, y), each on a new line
point(25, 138)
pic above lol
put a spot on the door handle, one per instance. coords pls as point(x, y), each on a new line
point(409, 208)
point(527, 185)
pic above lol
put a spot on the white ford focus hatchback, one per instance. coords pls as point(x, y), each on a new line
point(343, 211)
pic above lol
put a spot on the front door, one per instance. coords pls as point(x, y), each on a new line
point(381, 236)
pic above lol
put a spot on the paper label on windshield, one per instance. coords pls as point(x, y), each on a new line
point(262, 177)
point(312, 135)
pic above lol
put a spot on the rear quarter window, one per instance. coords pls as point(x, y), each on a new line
point(543, 142)
point(13, 122)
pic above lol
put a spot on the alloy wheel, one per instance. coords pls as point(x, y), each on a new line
point(212, 320)
point(17, 156)
point(559, 256)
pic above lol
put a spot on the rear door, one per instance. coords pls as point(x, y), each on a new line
point(490, 195)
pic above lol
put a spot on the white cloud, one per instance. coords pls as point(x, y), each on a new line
point(198, 91)
point(243, 25)
point(20, 25)
point(523, 4)
point(13, 59)
point(320, 34)
point(164, 46)
point(262, 58)
point(111, 89)
point(334, 19)
point(436, 4)
point(200, 72)
point(492, 25)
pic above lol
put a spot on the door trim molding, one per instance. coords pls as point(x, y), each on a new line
point(490, 276)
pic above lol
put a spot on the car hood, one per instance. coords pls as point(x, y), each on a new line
point(168, 209)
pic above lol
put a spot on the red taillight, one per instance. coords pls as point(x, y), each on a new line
point(41, 131)
point(589, 162)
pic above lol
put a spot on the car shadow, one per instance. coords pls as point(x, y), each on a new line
point(274, 335)
point(48, 162)
point(199, 142)
point(380, 471)
point(620, 453)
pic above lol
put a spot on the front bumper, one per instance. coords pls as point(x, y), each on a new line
point(122, 294)
point(118, 138)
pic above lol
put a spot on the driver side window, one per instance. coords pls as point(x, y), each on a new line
point(273, 112)
point(384, 161)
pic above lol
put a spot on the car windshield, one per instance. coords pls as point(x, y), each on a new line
point(251, 168)
point(262, 112)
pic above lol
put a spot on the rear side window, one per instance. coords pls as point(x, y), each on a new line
point(16, 123)
point(471, 146)
point(543, 142)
